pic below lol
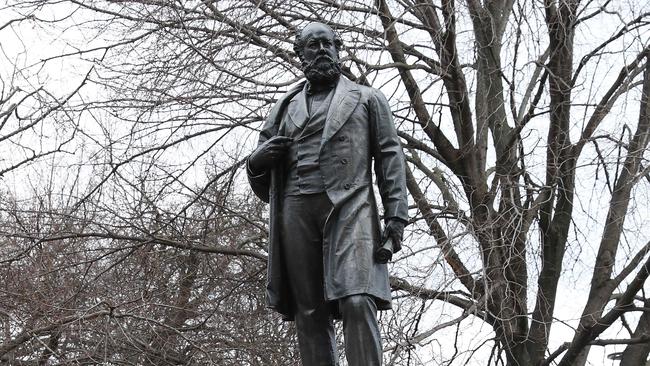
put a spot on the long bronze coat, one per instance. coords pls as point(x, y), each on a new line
point(359, 129)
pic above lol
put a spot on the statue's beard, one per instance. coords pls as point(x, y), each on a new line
point(322, 69)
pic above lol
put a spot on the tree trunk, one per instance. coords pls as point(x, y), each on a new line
point(637, 354)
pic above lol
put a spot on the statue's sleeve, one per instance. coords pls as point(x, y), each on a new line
point(390, 165)
point(260, 181)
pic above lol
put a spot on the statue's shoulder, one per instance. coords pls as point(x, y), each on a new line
point(373, 95)
point(272, 122)
point(281, 103)
point(292, 91)
point(368, 91)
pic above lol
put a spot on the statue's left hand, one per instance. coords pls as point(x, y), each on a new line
point(395, 230)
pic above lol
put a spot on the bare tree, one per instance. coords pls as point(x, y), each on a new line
point(80, 287)
point(523, 123)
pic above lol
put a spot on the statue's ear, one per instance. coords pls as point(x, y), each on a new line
point(300, 57)
point(338, 43)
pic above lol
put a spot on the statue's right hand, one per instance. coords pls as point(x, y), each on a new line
point(268, 154)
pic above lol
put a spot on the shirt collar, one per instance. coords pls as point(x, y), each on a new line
point(321, 88)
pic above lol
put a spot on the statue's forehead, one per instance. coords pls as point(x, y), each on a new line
point(317, 30)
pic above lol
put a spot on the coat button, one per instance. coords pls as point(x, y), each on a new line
point(347, 185)
point(344, 161)
point(341, 138)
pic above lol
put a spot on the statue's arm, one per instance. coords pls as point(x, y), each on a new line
point(390, 165)
point(261, 180)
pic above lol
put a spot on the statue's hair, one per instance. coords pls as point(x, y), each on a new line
point(299, 42)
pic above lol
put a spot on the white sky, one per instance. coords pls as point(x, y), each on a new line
point(24, 45)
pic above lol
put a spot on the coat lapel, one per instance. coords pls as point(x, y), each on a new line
point(345, 99)
point(274, 121)
point(297, 109)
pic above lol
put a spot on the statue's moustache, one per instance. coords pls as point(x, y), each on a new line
point(318, 59)
point(321, 69)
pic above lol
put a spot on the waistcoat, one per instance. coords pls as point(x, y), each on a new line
point(304, 176)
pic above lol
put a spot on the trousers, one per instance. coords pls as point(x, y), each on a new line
point(303, 221)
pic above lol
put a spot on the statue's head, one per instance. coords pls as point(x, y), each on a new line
point(317, 46)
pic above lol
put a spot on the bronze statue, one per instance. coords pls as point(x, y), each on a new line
point(313, 165)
